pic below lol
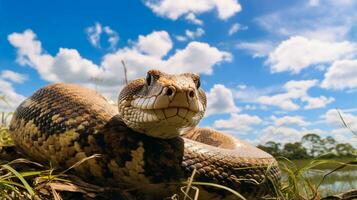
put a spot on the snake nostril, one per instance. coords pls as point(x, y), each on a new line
point(169, 92)
point(191, 94)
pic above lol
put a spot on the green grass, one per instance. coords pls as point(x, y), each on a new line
point(302, 179)
point(30, 178)
point(306, 179)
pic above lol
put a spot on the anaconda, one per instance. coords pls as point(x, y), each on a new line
point(148, 141)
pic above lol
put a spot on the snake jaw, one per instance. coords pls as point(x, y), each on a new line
point(163, 123)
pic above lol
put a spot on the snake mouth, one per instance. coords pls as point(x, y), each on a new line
point(159, 122)
point(171, 112)
point(168, 100)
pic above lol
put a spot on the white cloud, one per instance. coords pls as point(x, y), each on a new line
point(289, 120)
point(340, 132)
point(68, 65)
point(298, 53)
point(181, 38)
point(316, 102)
point(333, 118)
point(195, 34)
point(235, 28)
point(296, 90)
point(237, 123)
point(28, 47)
point(13, 76)
point(284, 134)
point(197, 57)
point(314, 2)
point(257, 49)
point(94, 35)
point(341, 75)
point(336, 20)
point(12, 98)
point(191, 34)
point(173, 9)
point(220, 100)
point(157, 44)
point(251, 94)
point(193, 19)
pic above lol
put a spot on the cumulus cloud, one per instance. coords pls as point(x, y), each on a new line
point(67, 65)
point(195, 34)
point(174, 9)
point(13, 76)
point(237, 123)
point(156, 44)
point(341, 75)
point(197, 57)
point(289, 120)
point(144, 54)
point(333, 117)
point(220, 100)
point(298, 53)
point(314, 2)
point(339, 131)
point(95, 32)
point(257, 49)
point(235, 28)
point(296, 90)
point(284, 134)
point(193, 19)
point(12, 99)
point(191, 34)
point(336, 20)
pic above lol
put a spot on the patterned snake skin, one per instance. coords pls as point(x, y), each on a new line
point(64, 123)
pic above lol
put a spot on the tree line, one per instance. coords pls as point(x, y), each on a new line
point(310, 146)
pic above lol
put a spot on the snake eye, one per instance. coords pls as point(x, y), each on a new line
point(148, 79)
point(198, 83)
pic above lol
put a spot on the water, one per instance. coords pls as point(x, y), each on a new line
point(337, 182)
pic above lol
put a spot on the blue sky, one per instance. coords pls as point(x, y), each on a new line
point(272, 71)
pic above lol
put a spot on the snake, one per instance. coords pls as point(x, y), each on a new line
point(149, 140)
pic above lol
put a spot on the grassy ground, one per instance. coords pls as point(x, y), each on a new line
point(327, 177)
point(302, 179)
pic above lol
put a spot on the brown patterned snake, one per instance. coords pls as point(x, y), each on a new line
point(151, 142)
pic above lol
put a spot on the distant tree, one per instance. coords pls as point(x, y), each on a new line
point(311, 146)
point(271, 147)
point(345, 149)
point(313, 143)
point(329, 144)
point(295, 151)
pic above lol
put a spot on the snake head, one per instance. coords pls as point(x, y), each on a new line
point(162, 105)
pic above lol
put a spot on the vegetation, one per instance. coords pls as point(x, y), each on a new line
point(310, 146)
point(24, 179)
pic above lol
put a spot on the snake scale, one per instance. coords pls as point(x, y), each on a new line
point(147, 141)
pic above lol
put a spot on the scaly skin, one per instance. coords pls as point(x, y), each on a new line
point(64, 123)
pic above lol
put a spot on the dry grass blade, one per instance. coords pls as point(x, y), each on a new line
point(125, 72)
point(197, 192)
point(3, 98)
point(220, 187)
point(344, 123)
point(25, 161)
point(336, 169)
point(188, 187)
point(55, 194)
point(80, 162)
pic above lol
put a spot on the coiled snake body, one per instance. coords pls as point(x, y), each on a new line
point(152, 139)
